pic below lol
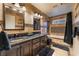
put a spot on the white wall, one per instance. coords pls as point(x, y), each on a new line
point(28, 18)
point(60, 10)
point(75, 48)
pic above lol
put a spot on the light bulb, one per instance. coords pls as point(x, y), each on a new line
point(36, 14)
point(24, 8)
point(7, 6)
point(41, 16)
point(20, 11)
point(17, 4)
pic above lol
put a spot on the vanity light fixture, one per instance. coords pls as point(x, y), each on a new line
point(6, 6)
point(23, 8)
point(17, 5)
point(14, 9)
point(41, 16)
point(36, 14)
point(20, 11)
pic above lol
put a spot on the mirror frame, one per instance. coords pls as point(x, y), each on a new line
point(4, 21)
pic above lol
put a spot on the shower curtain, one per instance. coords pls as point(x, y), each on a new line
point(69, 29)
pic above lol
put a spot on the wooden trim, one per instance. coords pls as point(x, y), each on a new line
point(57, 38)
point(57, 17)
point(54, 33)
point(1, 22)
point(57, 25)
point(28, 25)
point(75, 10)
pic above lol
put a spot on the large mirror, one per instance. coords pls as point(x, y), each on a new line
point(13, 17)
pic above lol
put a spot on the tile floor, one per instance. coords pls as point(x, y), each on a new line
point(59, 51)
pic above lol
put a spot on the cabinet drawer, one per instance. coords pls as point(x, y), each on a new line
point(36, 48)
point(36, 45)
point(26, 43)
point(43, 39)
point(14, 51)
point(36, 40)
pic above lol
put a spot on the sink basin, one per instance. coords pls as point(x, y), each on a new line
point(17, 40)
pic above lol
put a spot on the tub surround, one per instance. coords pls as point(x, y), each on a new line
point(57, 36)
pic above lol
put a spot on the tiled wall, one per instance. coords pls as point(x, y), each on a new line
point(58, 28)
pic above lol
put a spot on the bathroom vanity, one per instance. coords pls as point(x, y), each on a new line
point(26, 46)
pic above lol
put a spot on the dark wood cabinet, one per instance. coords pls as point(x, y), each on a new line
point(43, 41)
point(2, 53)
point(15, 51)
point(36, 48)
point(26, 49)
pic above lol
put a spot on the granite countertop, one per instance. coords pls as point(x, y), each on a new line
point(23, 39)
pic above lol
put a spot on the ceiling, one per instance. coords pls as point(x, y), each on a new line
point(53, 9)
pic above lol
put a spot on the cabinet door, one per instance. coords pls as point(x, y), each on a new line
point(15, 51)
point(2, 53)
point(36, 48)
point(43, 41)
point(26, 49)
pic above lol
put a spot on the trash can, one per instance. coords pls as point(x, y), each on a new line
point(49, 42)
